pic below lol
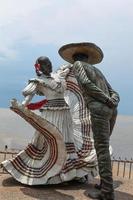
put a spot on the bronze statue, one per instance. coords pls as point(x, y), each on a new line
point(101, 101)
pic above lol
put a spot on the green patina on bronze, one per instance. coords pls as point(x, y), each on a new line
point(102, 101)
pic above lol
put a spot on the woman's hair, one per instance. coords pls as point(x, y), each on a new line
point(41, 62)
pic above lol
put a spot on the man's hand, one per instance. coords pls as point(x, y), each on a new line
point(111, 102)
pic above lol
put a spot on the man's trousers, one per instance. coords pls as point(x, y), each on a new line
point(103, 119)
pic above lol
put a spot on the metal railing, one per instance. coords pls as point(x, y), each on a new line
point(120, 167)
point(123, 167)
point(4, 155)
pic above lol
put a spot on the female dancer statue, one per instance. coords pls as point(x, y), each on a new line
point(62, 148)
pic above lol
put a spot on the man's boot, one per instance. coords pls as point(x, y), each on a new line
point(101, 196)
point(106, 196)
point(98, 186)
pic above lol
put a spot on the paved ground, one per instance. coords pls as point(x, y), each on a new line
point(12, 190)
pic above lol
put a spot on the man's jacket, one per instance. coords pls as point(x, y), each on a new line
point(93, 84)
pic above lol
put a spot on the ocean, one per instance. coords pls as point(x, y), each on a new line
point(16, 133)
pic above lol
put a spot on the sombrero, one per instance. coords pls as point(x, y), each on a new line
point(94, 53)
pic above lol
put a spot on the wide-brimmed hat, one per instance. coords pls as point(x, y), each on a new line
point(94, 53)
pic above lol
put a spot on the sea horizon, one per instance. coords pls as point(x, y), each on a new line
point(16, 133)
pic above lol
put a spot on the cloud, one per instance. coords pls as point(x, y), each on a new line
point(58, 22)
point(13, 19)
point(29, 28)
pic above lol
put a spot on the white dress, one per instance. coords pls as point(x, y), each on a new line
point(62, 148)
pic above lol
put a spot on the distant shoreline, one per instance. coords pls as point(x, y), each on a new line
point(16, 133)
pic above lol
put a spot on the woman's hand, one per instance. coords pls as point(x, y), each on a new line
point(13, 102)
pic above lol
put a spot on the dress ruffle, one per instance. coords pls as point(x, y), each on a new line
point(33, 165)
point(62, 148)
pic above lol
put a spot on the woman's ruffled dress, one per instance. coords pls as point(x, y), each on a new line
point(62, 148)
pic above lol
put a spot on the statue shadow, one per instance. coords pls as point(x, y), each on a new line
point(48, 193)
point(61, 191)
point(119, 195)
point(10, 182)
point(39, 192)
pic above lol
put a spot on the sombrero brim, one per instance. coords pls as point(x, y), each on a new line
point(94, 53)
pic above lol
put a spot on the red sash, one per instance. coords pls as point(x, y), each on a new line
point(37, 105)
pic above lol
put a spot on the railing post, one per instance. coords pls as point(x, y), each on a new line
point(125, 162)
point(130, 168)
point(118, 166)
point(6, 147)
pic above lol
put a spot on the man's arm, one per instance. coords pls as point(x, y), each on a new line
point(113, 94)
point(89, 86)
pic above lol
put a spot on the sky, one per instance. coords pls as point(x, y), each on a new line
point(29, 29)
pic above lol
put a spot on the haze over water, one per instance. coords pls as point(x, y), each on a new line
point(16, 133)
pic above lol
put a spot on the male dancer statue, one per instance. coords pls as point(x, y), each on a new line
point(101, 100)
